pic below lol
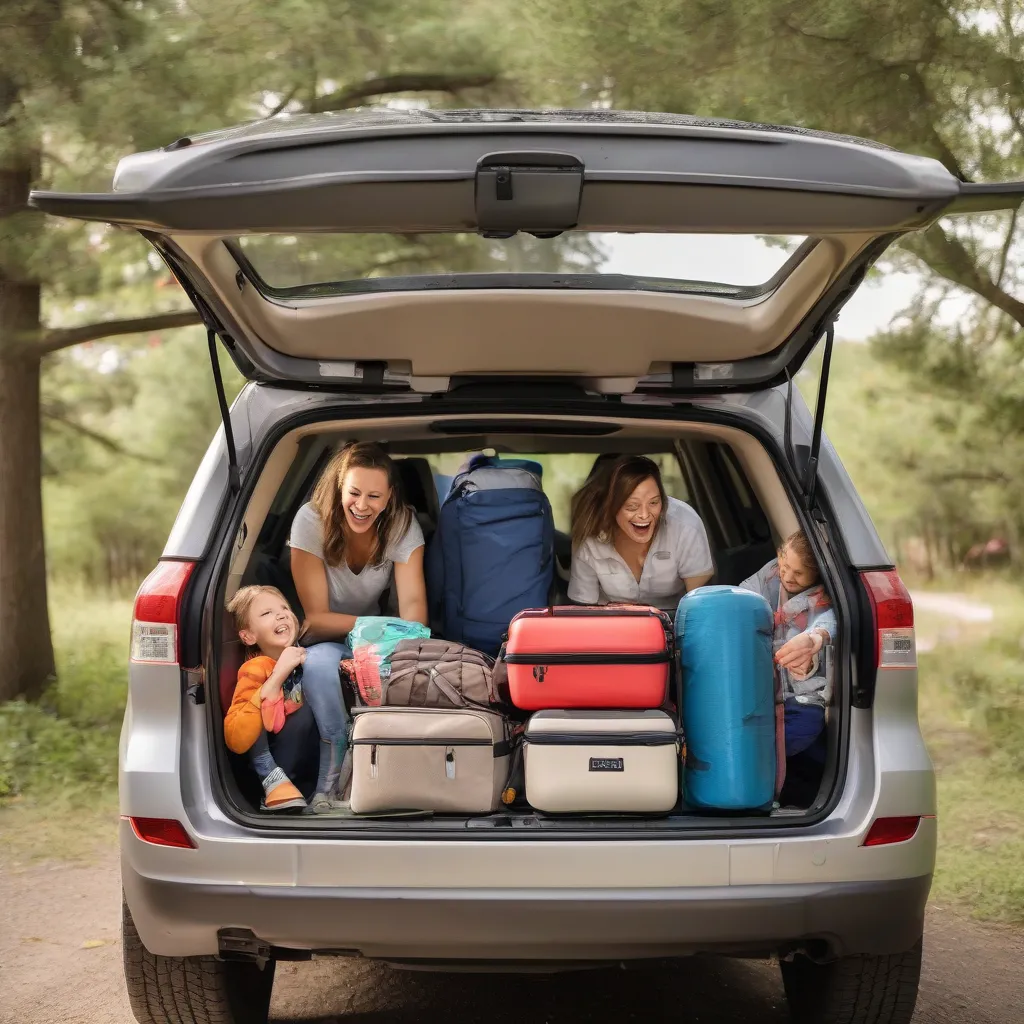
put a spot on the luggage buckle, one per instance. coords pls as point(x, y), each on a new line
point(538, 672)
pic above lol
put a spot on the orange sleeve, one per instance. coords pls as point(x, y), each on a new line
point(243, 722)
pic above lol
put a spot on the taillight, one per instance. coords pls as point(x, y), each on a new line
point(885, 831)
point(161, 832)
point(157, 610)
point(893, 613)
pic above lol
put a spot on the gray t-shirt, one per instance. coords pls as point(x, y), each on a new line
point(350, 593)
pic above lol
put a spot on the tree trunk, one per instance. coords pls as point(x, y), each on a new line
point(26, 651)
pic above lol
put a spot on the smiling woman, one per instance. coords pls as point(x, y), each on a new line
point(632, 544)
point(348, 544)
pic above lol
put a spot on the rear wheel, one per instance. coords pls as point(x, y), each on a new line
point(199, 989)
point(854, 989)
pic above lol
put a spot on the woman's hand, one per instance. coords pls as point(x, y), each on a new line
point(797, 655)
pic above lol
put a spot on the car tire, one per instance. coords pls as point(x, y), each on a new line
point(853, 989)
point(187, 989)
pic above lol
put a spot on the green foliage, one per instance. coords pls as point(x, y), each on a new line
point(987, 681)
point(67, 742)
point(930, 466)
point(110, 507)
point(972, 706)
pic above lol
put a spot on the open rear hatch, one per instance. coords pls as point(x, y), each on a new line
point(265, 225)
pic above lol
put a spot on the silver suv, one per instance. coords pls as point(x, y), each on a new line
point(566, 284)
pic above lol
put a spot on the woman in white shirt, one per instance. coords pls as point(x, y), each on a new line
point(632, 544)
point(348, 543)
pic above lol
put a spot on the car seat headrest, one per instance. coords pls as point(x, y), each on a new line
point(418, 488)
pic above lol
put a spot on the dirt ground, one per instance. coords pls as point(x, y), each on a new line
point(60, 963)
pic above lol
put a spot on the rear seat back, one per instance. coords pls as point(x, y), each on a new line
point(419, 489)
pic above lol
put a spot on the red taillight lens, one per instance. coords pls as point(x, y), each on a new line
point(157, 609)
point(885, 831)
point(893, 612)
point(162, 832)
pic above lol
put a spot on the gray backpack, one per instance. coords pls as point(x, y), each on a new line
point(439, 674)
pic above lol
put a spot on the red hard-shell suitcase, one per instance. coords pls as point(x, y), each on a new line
point(613, 656)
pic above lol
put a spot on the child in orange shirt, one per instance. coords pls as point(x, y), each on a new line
point(267, 718)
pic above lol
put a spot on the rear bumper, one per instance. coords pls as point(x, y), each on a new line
point(182, 919)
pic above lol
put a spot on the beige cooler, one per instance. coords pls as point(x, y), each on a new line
point(430, 759)
point(601, 762)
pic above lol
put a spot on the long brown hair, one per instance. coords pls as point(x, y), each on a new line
point(327, 499)
point(596, 503)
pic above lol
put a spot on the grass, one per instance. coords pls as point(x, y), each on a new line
point(58, 759)
point(972, 714)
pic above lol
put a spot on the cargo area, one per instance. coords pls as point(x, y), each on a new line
point(734, 481)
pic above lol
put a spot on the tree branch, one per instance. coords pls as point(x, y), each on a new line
point(353, 95)
point(288, 97)
point(946, 255)
point(54, 415)
point(65, 337)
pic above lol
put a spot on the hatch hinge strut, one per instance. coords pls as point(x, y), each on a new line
point(234, 479)
point(811, 479)
point(807, 473)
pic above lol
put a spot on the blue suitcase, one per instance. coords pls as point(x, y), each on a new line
point(725, 644)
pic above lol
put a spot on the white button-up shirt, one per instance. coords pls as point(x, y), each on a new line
point(678, 551)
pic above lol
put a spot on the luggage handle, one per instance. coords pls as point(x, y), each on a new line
point(569, 611)
point(582, 611)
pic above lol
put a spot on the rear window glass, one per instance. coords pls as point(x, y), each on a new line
point(331, 264)
point(563, 475)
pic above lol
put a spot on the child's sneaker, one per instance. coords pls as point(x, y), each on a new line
point(281, 795)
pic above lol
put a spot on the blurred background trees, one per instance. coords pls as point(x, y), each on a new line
point(109, 425)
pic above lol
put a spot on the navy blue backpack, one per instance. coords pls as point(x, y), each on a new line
point(492, 554)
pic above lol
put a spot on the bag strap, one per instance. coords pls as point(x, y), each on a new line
point(458, 699)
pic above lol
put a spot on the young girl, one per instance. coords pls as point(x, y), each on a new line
point(804, 623)
point(348, 545)
point(267, 718)
point(631, 543)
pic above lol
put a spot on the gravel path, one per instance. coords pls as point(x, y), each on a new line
point(60, 963)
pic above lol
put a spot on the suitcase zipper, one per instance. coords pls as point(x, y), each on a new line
point(407, 741)
point(542, 661)
point(604, 739)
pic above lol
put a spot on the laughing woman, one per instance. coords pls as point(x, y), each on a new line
point(349, 543)
point(632, 544)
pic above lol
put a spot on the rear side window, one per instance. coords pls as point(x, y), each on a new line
point(744, 510)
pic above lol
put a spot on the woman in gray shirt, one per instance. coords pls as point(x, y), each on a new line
point(348, 544)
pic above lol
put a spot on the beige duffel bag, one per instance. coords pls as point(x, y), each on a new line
point(429, 759)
